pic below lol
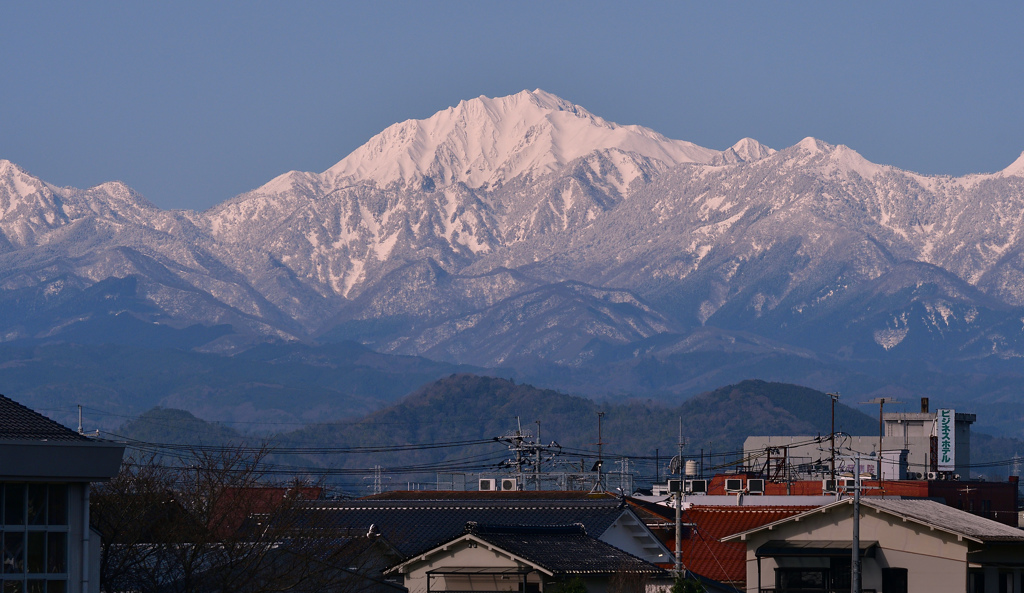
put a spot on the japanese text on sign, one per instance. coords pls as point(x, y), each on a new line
point(946, 431)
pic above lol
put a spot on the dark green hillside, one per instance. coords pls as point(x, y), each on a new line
point(169, 426)
point(469, 407)
point(473, 408)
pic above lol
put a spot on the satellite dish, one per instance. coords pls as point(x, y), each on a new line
point(674, 465)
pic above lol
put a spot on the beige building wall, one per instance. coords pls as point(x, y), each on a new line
point(935, 561)
point(470, 553)
point(467, 553)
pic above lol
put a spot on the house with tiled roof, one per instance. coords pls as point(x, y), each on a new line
point(45, 472)
point(703, 527)
point(525, 558)
point(904, 546)
point(415, 523)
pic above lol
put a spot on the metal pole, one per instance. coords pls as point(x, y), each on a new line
point(832, 437)
point(600, 453)
point(881, 431)
point(536, 470)
point(679, 507)
point(855, 560)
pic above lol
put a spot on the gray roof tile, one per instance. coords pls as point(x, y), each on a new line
point(415, 526)
point(563, 549)
point(23, 424)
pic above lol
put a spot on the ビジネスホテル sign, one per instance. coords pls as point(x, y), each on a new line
point(945, 429)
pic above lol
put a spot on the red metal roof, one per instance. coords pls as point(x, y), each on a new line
point(702, 550)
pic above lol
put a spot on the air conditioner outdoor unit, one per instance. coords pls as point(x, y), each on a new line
point(828, 485)
point(933, 475)
point(508, 484)
point(849, 483)
point(755, 486)
point(486, 485)
point(697, 486)
point(733, 485)
point(674, 486)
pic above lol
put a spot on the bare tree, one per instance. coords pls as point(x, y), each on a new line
point(217, 524)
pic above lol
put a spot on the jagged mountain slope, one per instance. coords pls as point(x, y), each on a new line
point(525, 228)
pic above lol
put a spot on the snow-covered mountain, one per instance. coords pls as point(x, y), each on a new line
point(525, 228)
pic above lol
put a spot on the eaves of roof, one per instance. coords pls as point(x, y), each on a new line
point(884, 508)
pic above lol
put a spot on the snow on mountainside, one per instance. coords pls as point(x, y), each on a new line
point(467, 181)
point(1016, 168)
point(524, 226)
point(484, 142)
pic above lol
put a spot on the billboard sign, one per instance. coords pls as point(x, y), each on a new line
point(945, 430)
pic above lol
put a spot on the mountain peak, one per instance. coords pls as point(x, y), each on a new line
point(487, 141)
point(1016, 168)
point(812, 145)
point(746, 150)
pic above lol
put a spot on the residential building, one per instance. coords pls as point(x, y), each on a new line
point(414, 522)
point(702, 528)
point(905, 546)
point(45, 472)
point(528, 559)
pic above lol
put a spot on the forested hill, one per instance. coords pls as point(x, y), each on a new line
point(473, 407)
point(467, 407)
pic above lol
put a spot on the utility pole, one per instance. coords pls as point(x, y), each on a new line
point(855, 561)
point(679, 507)
point(600, 452)
point(881, 401)
point(536, 469)
point(832, 437)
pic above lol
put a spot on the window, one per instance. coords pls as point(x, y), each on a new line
point(894, 580)
point(800, 579)
point(976, 582)
point(33, 538)
point(1005, 582)
point(840, 568)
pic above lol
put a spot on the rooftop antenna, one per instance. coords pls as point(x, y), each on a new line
point(95, 433)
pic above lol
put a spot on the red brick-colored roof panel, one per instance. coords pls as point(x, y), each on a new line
point(702, 550)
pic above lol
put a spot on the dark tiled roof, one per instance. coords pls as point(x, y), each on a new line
point(22, 424)
point(415, 526)
point(495, 495)
point(562, 549)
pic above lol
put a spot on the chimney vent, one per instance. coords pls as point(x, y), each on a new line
point(924, 405)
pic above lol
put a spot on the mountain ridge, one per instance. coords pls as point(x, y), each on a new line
point(527, 230)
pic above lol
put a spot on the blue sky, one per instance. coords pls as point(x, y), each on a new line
point(193, 103)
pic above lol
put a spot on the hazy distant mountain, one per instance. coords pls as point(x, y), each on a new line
point(526, 232)
point(468, 408)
